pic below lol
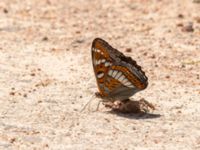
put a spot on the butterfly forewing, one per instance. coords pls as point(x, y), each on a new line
point(101, 63)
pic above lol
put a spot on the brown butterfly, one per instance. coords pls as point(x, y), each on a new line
point(118, 76)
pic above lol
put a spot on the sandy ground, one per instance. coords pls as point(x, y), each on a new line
point(46, 74)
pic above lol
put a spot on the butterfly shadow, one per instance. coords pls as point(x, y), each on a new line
point(140, 115)
point(133, 110)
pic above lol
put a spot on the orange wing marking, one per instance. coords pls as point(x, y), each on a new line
point(103, 50)
point(131, 77)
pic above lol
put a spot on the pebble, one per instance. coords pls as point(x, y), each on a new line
point(188, 27)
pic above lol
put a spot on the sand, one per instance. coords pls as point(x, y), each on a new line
point(46, 74)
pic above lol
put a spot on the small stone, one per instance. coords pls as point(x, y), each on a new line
point(25, 95)
point(167, 76)
point(179, 112)
point(145, 53)
point(188, 27)
point(45, 38)
point(12, 93)
point(32, 74)
point(128, 50)
point(198, 77)
point(179, 25)
point(5, 10)
point(78, 32)
point(134, 128)
point(79, 41)
point(12, 140)
point(196, 1)
point(46, 145)
point(153, 56)
point(180, 16)
point(182, 65)
point(197, 19)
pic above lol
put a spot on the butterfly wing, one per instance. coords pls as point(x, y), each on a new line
point(101, 61)
point(118, 76)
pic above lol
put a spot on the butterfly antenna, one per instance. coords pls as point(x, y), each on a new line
point(88, 103)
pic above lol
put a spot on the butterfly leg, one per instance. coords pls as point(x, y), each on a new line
point(98, 105)
point(87, 104)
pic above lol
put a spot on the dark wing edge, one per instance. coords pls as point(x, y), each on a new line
point(135, 69)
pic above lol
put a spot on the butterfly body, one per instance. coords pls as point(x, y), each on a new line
point(118, 77)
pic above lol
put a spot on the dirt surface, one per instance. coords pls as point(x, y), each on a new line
point(46, 74)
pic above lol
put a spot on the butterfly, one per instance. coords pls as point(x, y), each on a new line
point(118, 77)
